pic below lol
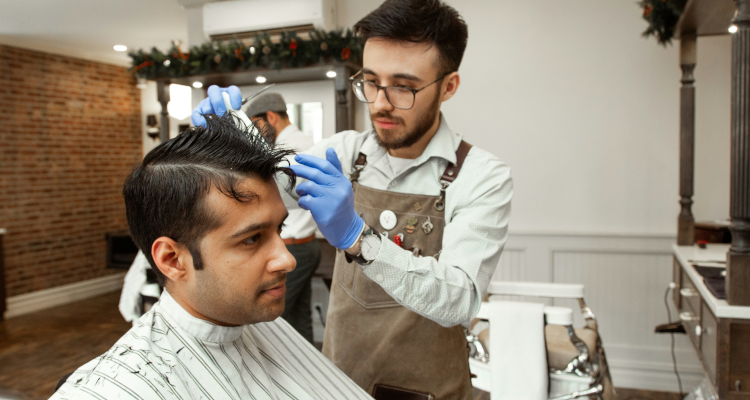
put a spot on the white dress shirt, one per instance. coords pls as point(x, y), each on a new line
point(300, 223)
point(169, 354)
point(447, 290)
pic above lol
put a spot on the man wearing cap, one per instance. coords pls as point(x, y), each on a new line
point(299, 229)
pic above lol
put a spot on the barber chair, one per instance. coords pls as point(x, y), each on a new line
point(576, 361)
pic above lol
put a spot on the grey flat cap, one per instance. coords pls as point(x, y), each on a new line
point(264, 103)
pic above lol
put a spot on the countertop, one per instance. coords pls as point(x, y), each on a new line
point(686, 255)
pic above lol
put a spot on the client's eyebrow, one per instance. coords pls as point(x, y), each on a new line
point(256, 227)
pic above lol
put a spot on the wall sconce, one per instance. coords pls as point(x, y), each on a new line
point(153, 126)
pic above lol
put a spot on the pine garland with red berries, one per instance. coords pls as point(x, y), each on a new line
point(662, 17)
point(289, 51)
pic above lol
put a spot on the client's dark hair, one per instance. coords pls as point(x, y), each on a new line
point(165, 195)
point(420, 21)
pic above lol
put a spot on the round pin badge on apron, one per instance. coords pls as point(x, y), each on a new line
point(388, 220)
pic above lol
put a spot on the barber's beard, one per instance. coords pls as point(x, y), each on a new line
point(389, 140)
point(268, 131)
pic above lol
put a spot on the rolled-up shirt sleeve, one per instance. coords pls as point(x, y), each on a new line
point(448, 290)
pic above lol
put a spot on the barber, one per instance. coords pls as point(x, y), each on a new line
point(298, 233)
point(420, 216)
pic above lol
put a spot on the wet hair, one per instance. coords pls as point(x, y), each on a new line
point(420, 21)
point(166, 194)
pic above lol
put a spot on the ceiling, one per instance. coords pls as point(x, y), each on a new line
point(89, 28)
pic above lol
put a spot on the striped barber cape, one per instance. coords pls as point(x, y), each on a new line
point(169, 354)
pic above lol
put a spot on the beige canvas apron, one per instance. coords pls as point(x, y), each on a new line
point(372, 338)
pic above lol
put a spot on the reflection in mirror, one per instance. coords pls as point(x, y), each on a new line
point(308, 117)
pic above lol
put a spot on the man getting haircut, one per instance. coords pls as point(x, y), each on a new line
point(205, 210)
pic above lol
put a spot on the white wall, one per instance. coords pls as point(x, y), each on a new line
point(580, 105)
point(586, 112)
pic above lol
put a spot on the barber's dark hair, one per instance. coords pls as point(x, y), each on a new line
point(165, 195)
point(419, 21)
point(282, 114)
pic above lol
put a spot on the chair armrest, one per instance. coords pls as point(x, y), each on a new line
point(537, 289)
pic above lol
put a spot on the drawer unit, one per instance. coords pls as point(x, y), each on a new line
point(720, 332)
point(691, 322)
point(690, 309)
point(737, 344)
point(677, 278)
point(689, 294)
point(709, 338)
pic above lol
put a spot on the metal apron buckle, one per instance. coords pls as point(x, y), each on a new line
point(440, 203)
point(355, 172)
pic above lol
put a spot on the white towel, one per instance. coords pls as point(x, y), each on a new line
point(518, 358)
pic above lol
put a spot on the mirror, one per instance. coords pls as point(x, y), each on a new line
point(308, 117)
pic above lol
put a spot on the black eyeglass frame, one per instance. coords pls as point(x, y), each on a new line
point(413, 91)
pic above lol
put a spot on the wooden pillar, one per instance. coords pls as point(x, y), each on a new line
point(3, 293)
point(162, 92)
point(738, 259)
point(344, 100)
point(685, 221)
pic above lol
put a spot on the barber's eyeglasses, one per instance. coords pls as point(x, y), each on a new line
point(401, 97)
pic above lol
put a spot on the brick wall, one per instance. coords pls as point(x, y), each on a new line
point(69, 135)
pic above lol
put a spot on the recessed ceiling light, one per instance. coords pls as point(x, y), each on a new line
point(260, 79)
point(331, 74)
point(732, 29)
point(197, 84)
point(120, 47)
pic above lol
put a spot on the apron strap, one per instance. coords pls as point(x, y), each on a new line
point(359, 165)
point(449, 175)
point(451, 171)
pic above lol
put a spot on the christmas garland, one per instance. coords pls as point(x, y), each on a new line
point(290, 51)
point(662, 17)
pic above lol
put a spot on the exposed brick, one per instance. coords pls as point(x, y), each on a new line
point(71, 134)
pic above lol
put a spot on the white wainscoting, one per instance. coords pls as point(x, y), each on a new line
point(625, 277)
point(57, 296)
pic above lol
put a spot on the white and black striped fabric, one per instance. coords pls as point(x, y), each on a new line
point(169, 354)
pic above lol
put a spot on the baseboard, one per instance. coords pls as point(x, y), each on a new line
point(57, 296)
point(663, 381)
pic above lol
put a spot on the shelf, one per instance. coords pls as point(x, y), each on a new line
point(706, 17)
point(286, 75)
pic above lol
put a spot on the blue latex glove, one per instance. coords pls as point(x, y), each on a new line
point(329, 197)
point(214, 103)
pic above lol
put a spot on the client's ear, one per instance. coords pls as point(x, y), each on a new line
point(172, 259)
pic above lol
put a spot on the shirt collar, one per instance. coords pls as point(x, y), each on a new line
point(443, 145)
point(196, 327)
